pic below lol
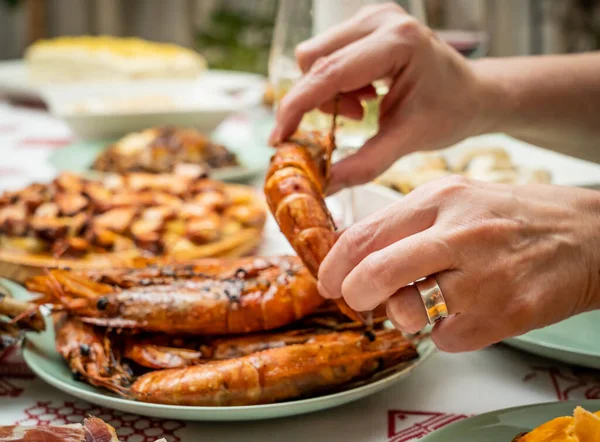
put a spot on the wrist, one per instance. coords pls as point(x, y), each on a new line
point(499, 102)
point(589, 208)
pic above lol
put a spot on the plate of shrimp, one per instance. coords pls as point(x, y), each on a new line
point(226, 339)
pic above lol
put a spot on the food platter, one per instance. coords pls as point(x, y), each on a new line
point(504, 425)
point(42, 357)
point(45, 362)
point(79, 156)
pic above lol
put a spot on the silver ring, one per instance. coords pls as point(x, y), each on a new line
point(432, 297)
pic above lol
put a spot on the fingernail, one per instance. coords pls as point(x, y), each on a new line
point(323, 291)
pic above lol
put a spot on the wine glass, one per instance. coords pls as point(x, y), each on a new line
point(462, 25)
point(296, 22)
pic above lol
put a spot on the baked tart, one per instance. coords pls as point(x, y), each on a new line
point(583, 426)
point(86, 58)
point(86, 223)
point(162, 150)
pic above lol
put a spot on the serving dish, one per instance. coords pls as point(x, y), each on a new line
point(41, 356)
point(505, 425)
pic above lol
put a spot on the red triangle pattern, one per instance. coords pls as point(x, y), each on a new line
point(568, 383)
point(405, 425)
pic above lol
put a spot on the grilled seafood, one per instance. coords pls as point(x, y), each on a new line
point(162, 150)
point(263, 294)
point(146, 273)
point(252, 372)
point(89, 354)
point(318, 353)
point(295, 186)
point(16, 317)
point(159, 352)
point(100, 223)
point(22, 314)
point(320, 364)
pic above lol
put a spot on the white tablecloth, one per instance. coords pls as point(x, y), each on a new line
point(445, 389)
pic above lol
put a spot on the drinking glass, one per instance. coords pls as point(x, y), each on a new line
point(461, 24)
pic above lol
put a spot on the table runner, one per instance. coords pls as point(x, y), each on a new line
point(445, 389)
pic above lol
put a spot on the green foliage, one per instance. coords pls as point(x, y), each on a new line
point(237, 41)
point(12, 3)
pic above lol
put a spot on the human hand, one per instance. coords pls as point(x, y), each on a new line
point(508, 259)
point(435, 97)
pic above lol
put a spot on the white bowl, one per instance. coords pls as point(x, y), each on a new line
point(107, 110)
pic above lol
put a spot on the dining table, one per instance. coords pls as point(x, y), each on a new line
point(444, 389)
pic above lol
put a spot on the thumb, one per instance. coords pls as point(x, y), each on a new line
point(370, 161)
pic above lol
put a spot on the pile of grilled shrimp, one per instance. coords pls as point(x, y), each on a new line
point(227, 331)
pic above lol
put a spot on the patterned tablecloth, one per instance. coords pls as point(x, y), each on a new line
point(445, 389)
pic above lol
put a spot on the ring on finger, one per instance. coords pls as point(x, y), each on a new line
point(433, 299)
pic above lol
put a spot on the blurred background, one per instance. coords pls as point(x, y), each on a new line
point(238, 35)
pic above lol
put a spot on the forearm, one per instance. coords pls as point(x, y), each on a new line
point(552, 101)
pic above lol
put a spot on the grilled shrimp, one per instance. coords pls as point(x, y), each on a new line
point(16, 317)
point(295, 188)
point(89, 354)
point(23, 315)
point(268, 295)
point(318, 365)
point(159, 352)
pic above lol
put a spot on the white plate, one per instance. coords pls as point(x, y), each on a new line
point(566, 170)
point(201, 103)
point(43, 359)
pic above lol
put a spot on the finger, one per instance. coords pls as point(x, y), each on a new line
point(365, 93)
point(347, 69)
point(347, 106)
point(382, 273)
point(395, 222)
point(402, 87)
point(405, 309)
point(462, 333)
point(371, 160)
point(358, 26)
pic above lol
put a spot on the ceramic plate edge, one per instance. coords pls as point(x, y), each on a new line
point(484, 416)
point(558, 347)
point(155, 409)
